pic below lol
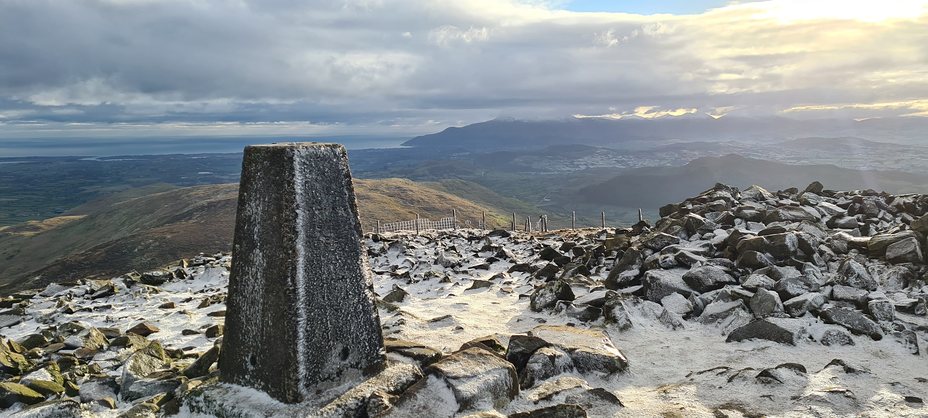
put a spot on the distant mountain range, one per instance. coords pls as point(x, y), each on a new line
point(652, 187)
point(637, 134)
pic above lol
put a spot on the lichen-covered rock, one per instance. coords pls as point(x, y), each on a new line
point(143, 363)
point(46, 387)
point(12, 362)
point(12, 393)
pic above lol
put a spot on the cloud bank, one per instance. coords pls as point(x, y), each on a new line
point(410, 66)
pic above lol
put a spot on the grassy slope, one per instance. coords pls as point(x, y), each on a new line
point(141, 231)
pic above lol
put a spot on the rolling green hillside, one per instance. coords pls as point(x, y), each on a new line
point(139, 230)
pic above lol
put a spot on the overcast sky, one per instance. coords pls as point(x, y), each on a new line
point(398, 67)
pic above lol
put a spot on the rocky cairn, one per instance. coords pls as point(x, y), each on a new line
point(807, 267)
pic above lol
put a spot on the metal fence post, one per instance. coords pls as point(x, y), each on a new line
point(378, 226)
point(513, 221)
point(454, 219)
point(573, 219)
point(484, 220)
point(640, 216)
point(417, 224)
point(603, 218)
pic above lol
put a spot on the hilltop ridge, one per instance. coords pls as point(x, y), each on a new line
point(143, 229)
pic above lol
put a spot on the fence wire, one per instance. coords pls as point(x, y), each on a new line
point(424, 224)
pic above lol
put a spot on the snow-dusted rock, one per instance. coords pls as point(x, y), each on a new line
point(477, 376)
point(590, 349)
point(853, 320)
point(781, 330)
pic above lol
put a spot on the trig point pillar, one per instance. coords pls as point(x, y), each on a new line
point(300, 308)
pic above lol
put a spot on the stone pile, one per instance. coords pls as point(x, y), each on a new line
point(753, 261)
point(69, 367)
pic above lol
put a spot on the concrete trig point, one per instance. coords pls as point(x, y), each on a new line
point(300, 309)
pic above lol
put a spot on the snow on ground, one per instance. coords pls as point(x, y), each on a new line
point(684, 372)
point(667, 374)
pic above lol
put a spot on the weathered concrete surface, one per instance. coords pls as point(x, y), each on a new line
point(300, 309)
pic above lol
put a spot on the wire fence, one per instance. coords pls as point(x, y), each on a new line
point(528, 224)
point(418, 225)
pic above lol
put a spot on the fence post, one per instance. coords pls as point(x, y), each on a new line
point(603, 218)
point(640, 216)
point(573, 219)
point(417, 224)
point(484, 220)
point(513, 221)
point(378, 226)
point(454, 219)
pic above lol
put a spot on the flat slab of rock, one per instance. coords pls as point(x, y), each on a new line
point(590, 349)
point(235, 401)
point(475, 376)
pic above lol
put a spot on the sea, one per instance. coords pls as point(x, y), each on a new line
point(107, 147)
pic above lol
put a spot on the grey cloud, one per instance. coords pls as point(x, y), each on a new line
point(412, 63)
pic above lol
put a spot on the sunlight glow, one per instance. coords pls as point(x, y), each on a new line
point(643, 112)
point(789, 11)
